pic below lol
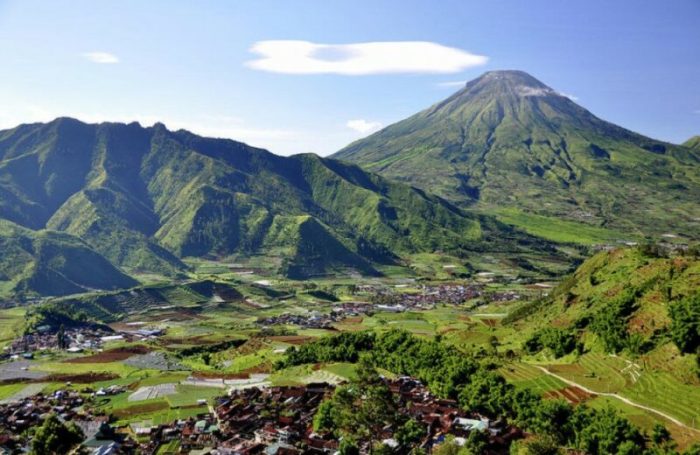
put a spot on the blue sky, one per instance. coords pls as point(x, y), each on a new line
point(193, 64)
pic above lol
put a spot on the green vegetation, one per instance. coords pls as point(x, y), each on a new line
point(560, 342)
point(685, 323)
point(558, 229)
point(52, 263)
point(449, 373)
point(509, 145)
point(55, 436)
point(143, 199)
point(632, 300)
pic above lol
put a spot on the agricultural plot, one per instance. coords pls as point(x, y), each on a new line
point(10, 324)
point(153, 392)
point(15, 392)
point(189, 395)
point(153, 361)
point(20, 369)
point(661, 391)
point(529, 377)
point(599, 372)
point(684, 437)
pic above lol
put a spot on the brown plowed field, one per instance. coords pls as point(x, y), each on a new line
point(112, 355)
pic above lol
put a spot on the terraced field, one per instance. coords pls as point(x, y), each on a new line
point(661, 391)
point(529, 377)
point(599, 372)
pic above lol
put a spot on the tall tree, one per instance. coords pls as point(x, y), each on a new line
point(365, 406)
point(55, 437)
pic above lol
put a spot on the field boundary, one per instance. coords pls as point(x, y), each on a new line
point(619, 397)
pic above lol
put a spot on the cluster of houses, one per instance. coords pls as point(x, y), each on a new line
point(46, 338)
point(317, 320)
point(427, 298)
point(448, 293)
point(69, 405)
point(253, 420)
point(279, 421)
point(75, 340)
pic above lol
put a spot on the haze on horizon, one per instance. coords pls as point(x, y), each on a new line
point(314, 77)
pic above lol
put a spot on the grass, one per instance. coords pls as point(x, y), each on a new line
point(7, 390)
point(646, 421)
point(661, 391)
point(527, 376)
point(342, 369)
point(556, 229)
point(187, 395)
point(11, 322)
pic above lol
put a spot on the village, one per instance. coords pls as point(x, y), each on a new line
point(251, 420)
point(73, 340)
point(385, 300)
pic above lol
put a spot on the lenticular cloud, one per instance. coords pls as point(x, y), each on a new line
point(304, 57)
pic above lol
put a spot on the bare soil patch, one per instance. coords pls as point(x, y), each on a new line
point(112, 355)
point(573, 395)
point(292, 339)
point(82, 378)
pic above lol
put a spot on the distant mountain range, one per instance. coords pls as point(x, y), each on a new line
point(508, 143)
point(83, 206)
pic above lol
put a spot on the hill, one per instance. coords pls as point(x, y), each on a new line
point(52, 263)
point(145, 198)
point(693, 143)
point(641, 301)
point(508, 144)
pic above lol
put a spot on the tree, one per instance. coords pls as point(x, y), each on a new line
point(476, 442)
point(55, 437)
point(409, 433)
point(540, 445)
point(551, 417)
point(323, 420)
point(348, 446)
point(61, 337)
point(605, 432)
point(685, 323)
point(365, 406)
point(450, 447)
point(487, 393)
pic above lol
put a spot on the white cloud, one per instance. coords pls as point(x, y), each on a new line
point(381, 57)
point(362, 126)
point(570, 96)
point(101, 57)
point(451, 84)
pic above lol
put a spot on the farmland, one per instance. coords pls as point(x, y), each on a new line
point(209, 340)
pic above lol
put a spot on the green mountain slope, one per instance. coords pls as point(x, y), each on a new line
point(693, 143)
point(633, 301)
point(507, 141)
point(52, 263)
point(145, 198)
point(626, 322)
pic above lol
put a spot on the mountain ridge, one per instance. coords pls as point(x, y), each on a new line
point(145, 198)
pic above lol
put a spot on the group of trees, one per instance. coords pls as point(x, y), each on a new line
point(476, 385)
point(685, 323)
point(559, 341)
point(53, 314)
point(610, 322)
point(344, 347)
point(360, 410)
point(55, 436)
